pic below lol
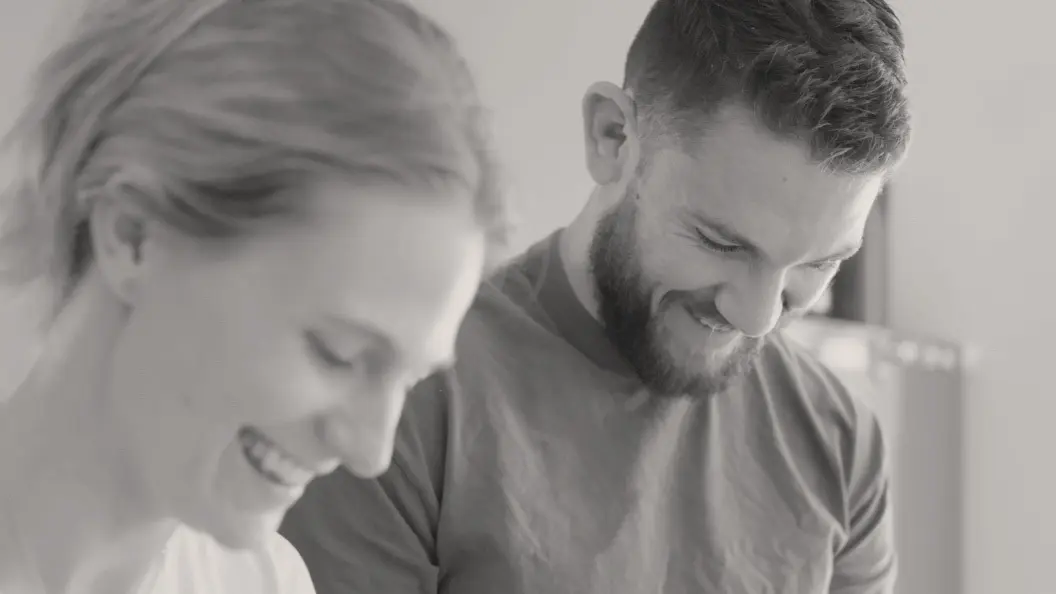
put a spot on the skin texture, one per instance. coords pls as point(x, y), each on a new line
point(307, 328)
point(738, 228)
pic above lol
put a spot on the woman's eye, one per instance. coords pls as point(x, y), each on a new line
point(325, 354)
point(827, 265)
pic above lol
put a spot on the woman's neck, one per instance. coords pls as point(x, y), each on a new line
point(82, 521)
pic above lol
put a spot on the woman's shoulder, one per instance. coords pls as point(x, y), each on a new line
point(197, 563)
point(289, 569)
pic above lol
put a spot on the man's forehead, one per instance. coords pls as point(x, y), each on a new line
point(748, 168)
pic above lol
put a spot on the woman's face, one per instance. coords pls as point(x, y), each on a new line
point(246, 369)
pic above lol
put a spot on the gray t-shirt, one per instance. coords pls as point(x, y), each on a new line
point(540, 466)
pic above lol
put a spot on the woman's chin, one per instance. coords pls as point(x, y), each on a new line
point(240, 508)
point(242, 531)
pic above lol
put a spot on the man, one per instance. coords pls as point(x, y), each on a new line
point(624, 417)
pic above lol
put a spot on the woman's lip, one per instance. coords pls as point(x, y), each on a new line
point(327, 467)
point(318, 469)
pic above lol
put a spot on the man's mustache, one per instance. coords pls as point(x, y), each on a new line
point(701, 307)
point(705, 309)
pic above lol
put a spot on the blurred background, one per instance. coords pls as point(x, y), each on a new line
point(943, 319)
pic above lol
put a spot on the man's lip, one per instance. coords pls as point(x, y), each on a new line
point(716, 326)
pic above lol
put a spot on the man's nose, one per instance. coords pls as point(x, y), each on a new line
point(363, 432)
point(754, 304)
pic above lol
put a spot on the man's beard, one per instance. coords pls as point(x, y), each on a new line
point(625, 311)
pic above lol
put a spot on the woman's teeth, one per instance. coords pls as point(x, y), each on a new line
point(271, 462)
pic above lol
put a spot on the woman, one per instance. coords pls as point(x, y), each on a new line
point(260, 221)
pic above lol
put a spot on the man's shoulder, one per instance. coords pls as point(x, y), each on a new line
point(819, 425)
point(830, 432)
point(514, 288)
point(810, 397)
point(503, 333)
point(507, 315)
point(793, 369)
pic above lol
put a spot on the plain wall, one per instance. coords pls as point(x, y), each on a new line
point(535, 61)
point(973, 259)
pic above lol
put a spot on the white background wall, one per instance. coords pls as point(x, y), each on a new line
point(973, 210)
point(974, 258)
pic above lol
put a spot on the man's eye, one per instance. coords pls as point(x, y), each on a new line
point(323, 353)
point(717, 246)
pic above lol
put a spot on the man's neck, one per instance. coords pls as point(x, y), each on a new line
point(575, 245)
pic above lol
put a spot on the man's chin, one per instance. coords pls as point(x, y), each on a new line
point(716, 372)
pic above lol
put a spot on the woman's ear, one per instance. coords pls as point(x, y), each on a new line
point(610, 130)
point(122, 245)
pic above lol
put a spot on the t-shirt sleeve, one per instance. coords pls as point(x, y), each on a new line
point(866, 564)
point(368, 536)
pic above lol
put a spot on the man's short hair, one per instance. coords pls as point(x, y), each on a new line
point(828, 72)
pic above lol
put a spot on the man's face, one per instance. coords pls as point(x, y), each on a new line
point(712, 248)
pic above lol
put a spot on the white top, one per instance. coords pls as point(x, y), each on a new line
point(195, 563)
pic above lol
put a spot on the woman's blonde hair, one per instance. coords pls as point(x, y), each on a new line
point(208, 112)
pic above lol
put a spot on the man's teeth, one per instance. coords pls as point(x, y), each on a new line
point(711, 326)
point(271, 462)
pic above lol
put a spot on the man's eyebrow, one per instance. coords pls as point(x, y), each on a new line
point(724, 230)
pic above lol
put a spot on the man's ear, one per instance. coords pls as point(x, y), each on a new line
point(610, 130)
point(123, 238)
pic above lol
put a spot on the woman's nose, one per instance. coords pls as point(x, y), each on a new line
point(363, 433)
